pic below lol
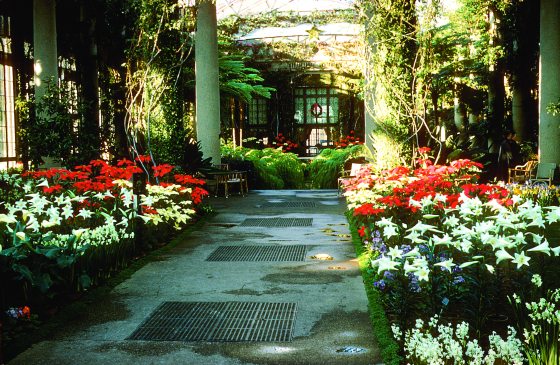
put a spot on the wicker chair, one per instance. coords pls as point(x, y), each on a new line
point(521, 173)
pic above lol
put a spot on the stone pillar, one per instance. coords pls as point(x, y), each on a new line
point(369, 106)
point(549, 83)
point(44, 44)
point(369, 97)
point(207, 83)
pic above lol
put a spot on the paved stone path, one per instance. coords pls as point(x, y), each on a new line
point(331, 301)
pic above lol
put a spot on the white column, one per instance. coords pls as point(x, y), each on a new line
point(207, 83)
point(549, 83)
point(45, 54)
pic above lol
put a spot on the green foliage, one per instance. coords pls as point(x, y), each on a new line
point(236, 79)
point(380, 324)
point(326, 168)
point(274, 169)
point(387, 150)
point(47, 126)
point(554, 108)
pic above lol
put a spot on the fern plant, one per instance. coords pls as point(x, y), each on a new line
point(274, 169)
point(327, 167)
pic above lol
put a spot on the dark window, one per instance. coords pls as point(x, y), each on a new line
point(316, 106)
point(257, 110)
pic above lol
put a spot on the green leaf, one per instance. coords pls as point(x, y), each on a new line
point(43, 281)
point(23, 271)
point(85, 281)
point(65, 260)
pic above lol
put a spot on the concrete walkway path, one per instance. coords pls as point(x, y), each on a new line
point(331, 323)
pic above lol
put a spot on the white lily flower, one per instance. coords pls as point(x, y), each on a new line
point(52, 212)
point(414, 203)
point(556, 250)
point(495, 206)
point(521, 260)
point(85, 213)
point(21, 235)
point(419, 262)
point(422, 228)
point(490, 269)
point(413, 252)
point(518, 238)
point(451, 221)
point(463, 231)
point(384, 222)
point(21, 204)
point(4, 218)
point(395, 252)
point(408, 268)
point(440, 198)
point(553, 215)
point(426, 202)
point(415, 237)
point(147, 200)
point(390, 231)
point(44, 183)
point(465, 245)
point(67, 211)
point(110, 221)
point(33, 224)
point(423, 274)
point(445, 240)
point(543, 247)
point(48, 224)
point(78, 232)
point(538, 221)
point(502, 255)
point(27, 187)
point(502, 242)
point(447, 264)
point(386, 264)
point(516, 199)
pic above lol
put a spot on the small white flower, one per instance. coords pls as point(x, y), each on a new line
point(521, 260)
point(85, 213)
point(447, 264)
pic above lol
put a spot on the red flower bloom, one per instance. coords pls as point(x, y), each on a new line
point(143, 158)
point(51, 189)
point(188, 179)
point(362, 231)
point(162, 170)
point(197, 195)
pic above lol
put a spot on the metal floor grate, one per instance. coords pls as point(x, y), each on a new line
point(259, 253)
point(277, 222)
point(289, 205)
point(218, 322)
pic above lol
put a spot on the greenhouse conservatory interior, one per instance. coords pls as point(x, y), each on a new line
point(280, 182)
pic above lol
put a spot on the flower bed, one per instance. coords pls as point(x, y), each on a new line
point(64, 230)
point(441, 244)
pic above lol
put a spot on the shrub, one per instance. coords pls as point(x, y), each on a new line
point(325, 169)
point(274, 169)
